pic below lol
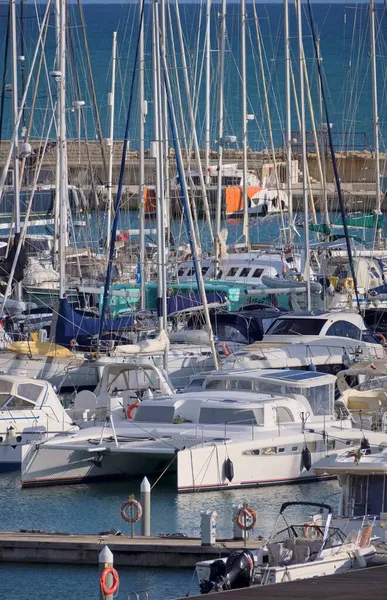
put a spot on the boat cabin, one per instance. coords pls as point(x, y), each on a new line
point(318, 388)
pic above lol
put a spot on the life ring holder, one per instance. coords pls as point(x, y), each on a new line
point(315, 527)
point(116, 581)
point(131, 504)
point(130, 409)
point(242, 515)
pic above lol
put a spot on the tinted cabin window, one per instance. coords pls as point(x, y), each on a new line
point(296, 327)
point(204, 270)
point(191, 272)
point(180, 272)
point(344, 329)
point(232, 416)
point(228, 333)
point(154, 414)
point(257, 272)
point(245, 272)
point(232, 272)
point(29, 390)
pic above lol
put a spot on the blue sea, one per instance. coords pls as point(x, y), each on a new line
point(344, 40)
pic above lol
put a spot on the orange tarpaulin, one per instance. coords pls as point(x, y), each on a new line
point(149, 200)
point(234, 198)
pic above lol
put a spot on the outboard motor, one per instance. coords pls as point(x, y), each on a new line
point(238, 573)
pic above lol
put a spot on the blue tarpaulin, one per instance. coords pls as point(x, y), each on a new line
point(73, 325)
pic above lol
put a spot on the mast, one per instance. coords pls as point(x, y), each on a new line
point(304, 157)
point(62, 143)
point(322, 143)
point(164, 130)
point(57, 167)
point(218, 215)
point(111, 138)
point(378, 232)
point(208, 92)
point(244, 123)
point(161, 282)
point(288, 122)
point(16, 182)
point(193, 126)
point(141, 168)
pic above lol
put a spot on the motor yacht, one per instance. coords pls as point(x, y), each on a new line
point(318, 340)
point(30, 411)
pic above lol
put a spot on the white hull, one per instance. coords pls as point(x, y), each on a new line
point(198, 467)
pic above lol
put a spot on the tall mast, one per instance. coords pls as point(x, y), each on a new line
point(16, 183)
point(220, 134)
point(192, 123)
point(141, 171)
point(208, 91)
point(161, 282)
point(164, 129)
point(378, 232)
point(63, 182)
point(111, 139)
point(57, 166)
point(244, 123)
point(306, 266)
point(288, 122)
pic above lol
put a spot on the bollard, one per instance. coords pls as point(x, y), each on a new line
point(105, 560)
point(146, 507)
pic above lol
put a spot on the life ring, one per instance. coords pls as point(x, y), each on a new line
point(348, 283)
point(131, 504)
point(381, 337)
point(226, 349)
point(365, 536)
point(130, 409)
point(244, 514)
point(116, 581)
point(314, 527)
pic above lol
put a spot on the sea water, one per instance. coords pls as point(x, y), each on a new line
point(94, 508)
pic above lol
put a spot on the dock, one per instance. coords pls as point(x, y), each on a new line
point(364, 583)
point(61, 548)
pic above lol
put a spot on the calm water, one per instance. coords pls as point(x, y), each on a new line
point(92, 508)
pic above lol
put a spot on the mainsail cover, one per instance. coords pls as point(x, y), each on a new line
point(73, 326)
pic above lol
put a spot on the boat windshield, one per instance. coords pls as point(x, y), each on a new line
point(232, 416)
point(312, 532)
point(154, 414)
point(296, 327)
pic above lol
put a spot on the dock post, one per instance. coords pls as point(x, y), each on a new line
point(105, 560)
point(146, 507)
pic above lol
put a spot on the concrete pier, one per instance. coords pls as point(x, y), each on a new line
point(130, 552)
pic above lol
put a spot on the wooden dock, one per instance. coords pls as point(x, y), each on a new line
point(129, 552)
point(363, 584)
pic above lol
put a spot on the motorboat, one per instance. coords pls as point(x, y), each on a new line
point(30, 411)
point(294, 550)
point(244, 428)
point(326, 341)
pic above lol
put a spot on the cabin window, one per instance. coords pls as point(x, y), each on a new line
point(321, 399)
point(229, 333)
point(270, 451)
point(195, 383)
point(331, 445)
point(15, 402)
point(232, 272)
point(29, 390)
point(244, 272)
point(217, 384)
point(373, 272)
point(204, 270)
point(256, 452)
point(257, 272)
point(181, 272)
point(344, 329)
point(296, 327)
point(294, 448)
point(281, 450)
point(191, 272)
point(151, 413)
point(232, 416)
point(241, 384)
